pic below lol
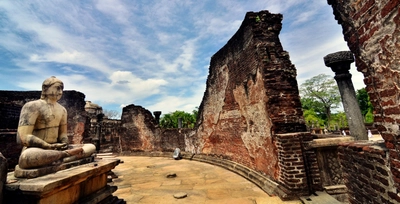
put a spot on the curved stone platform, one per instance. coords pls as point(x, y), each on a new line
point(148, 180)
point(269, 186)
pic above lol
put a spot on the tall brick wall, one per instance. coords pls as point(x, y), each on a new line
point(372, 29)
point(251, 95)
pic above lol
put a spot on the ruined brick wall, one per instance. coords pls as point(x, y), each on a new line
point(110, 130)
point(367, 174)
point(138, 130)
point(372, 29)
point(172, 138)
point(251, 95)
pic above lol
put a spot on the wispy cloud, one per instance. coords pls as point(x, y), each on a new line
point(150, 53)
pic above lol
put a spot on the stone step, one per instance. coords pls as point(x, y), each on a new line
point(319, 197)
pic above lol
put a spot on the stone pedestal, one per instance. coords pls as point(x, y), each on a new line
point(82, 184)
point(340, 62)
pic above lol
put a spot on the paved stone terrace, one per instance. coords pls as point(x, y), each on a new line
point(144, 180)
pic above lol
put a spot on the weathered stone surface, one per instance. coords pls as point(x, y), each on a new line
point(33, 173)
point(138, 130)
point(328, 142)
point(66, 186)
point(171, 175)
point(338, 57)
point(340, 62)
point(180, 195)
point(251, 95)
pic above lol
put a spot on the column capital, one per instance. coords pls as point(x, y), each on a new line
point(340, 61)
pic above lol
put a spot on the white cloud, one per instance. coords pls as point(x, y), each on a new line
point(115, 9)
point(150, 53)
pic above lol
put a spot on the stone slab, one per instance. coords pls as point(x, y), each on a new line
point(318, 198)
point(328, 142)
point(65, 186)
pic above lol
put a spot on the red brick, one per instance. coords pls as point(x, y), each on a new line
point(389, 7)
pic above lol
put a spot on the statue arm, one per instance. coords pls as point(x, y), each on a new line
point(62, 135)
point(26, 126)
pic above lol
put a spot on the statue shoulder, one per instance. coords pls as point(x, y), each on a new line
point(61, 107)
point(33, 105)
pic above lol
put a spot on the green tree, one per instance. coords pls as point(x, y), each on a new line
point(170, 120)
point(365, 105)
point(311, 118)
point(339, 120)
point(322, 91)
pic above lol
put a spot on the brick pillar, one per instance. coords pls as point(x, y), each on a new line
point(298, 167)
point(340, 62)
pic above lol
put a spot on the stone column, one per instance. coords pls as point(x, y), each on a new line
point(179, 122)
point(340, 62)
point(157, 116)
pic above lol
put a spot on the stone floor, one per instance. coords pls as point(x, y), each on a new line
point(144, 180)
point(376, 137)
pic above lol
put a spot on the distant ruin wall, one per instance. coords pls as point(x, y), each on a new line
point(139, 132)
point(251, 95)
point(372, 30)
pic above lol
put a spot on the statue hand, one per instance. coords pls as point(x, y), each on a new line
point(59, 146)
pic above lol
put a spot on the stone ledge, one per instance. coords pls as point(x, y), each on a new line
point(336, 189)
point(33, 173)
point(267, 185)
point(327, 142)
point(68, 186)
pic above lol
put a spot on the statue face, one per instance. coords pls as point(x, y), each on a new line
point(55, 91)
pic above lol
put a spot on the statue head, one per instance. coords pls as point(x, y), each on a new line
point(48, 91)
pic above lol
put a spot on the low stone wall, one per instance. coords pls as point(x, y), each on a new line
point(366, 172)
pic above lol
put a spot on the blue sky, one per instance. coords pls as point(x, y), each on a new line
point(153, 53)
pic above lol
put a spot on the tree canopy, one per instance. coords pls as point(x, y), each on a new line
point(320, 94)
point(365, 105)
point(170, 120)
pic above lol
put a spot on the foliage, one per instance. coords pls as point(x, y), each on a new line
point(339, 120)
point(312, 119)
point(321, 94)
point(170, 120)
point(365, 105)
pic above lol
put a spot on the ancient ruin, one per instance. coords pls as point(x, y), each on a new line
point(42, 132)
point(340, 62)
point(250, 119)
